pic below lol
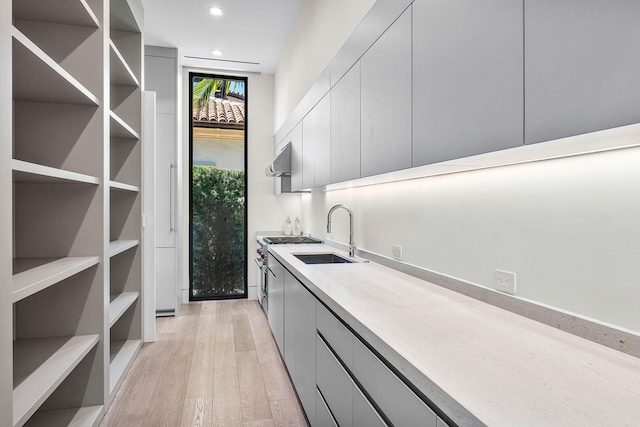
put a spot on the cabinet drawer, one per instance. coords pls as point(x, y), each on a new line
point(335, 385)
point(400, 405)
point(336, 334)
point(364, 415)
point(323, 416)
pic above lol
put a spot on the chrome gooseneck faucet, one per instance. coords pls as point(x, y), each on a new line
point(352, 247)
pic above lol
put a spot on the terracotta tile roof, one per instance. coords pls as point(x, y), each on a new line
point(219, 112)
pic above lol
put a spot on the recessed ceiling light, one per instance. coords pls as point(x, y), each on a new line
point(216, 52)
point(215, 11)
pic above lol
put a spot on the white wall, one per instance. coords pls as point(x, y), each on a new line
point(569, 228)
point(265, 210)
point(320, 31)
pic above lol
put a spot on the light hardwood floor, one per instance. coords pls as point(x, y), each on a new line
point(215, 364)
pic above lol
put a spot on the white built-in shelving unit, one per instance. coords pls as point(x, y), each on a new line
point(124, 179)
point(70, 209)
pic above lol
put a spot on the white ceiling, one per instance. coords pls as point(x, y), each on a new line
point(250, 32)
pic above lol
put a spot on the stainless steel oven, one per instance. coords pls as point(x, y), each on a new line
point(262, 261)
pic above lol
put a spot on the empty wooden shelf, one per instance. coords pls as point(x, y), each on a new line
point(120, 302)
point(38, 78)
point(118, 246)
point(32, 172)
point(40, 365)
point(67, 12)
point(85, 416)
point(121, 73)
point(32, 275)
point(120, 129)
point(122, 354)
point(123, 187)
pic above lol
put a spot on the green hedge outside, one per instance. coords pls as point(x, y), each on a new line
point(218, 232)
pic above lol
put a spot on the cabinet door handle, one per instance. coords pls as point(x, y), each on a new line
point(171, 227)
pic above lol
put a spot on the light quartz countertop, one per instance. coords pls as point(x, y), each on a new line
point(481, 365)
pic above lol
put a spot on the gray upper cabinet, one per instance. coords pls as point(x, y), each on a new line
point(316, 145)
point(295, 137)
point(345, 127)
point(581, 66)
point(386, 101)
point(467, 78)
point(161, 77)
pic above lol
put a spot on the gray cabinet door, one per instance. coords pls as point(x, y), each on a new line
point(335, 385)
point(364, 414)
point(166, 284)
point(323, 416)
point(386, 101)
point(401, 406)
point(295, 137)
point(165, 219)
point(161, 76)
point(309, 149)
point(316, 145)
point(581, 66)
point(323, 142)
point(291, 315)
point(275, 314)
point(345, 127)
point(305, 350)
point(467, 78)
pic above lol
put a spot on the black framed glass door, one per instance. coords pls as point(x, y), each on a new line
point(218, 187)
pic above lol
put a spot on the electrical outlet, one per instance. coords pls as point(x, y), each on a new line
point(397, 252)
point(505, 281)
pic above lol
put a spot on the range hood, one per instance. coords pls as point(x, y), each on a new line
point(281, 165)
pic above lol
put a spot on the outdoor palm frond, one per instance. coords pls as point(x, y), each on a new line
point(207, 87)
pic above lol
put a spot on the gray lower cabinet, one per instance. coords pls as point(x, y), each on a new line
point(467, 78)
point(316, 145)
point(300, 341)
point(386, 101)
point(364, 414)
point(345, 127)
point(400, 405)
point(290, 319)
point(336, 335)
point(276, 302)
point(581, 66)
point(335, 385)
point(305, 351)
point(323, 415)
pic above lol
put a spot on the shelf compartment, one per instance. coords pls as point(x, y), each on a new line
point(122, 355)
point(32, 172)
point(120, 303)
point(118, 246)
point(67, 12)
point(38, 78)
point(120, 129)
point(122, 18)
point(121, 73)
point(123, 187)
point(36, 274)
point(85, 416)
point(40, 366)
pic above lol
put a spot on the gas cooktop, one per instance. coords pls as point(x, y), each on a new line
point(286, 240)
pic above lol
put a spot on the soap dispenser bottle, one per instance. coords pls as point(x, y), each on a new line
point(287, 227)
point(297, 229)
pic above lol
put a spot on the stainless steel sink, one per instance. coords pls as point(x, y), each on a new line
point(326, 258)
